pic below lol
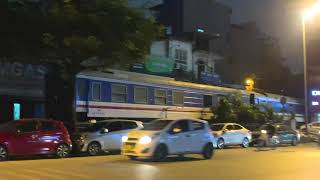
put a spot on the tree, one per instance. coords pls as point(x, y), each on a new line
point(224, 111)
point(233, 109)
point(74, 35)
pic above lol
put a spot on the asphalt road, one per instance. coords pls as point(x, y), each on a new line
point(301, 162)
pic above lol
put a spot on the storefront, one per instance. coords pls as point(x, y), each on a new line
point(22, 90)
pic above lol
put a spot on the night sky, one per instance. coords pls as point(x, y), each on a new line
point(278, 18)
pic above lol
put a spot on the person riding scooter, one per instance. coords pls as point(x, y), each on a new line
point(267, 137)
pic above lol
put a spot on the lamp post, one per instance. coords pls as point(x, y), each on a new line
point(308, 14)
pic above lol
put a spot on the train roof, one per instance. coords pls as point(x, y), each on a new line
point(166, 81)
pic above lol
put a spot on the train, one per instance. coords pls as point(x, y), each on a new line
point(122, 94)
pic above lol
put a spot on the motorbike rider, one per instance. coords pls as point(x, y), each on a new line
point(267, 134)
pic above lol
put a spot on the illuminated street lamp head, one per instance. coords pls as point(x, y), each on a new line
point(249, 82)
point(313, 11)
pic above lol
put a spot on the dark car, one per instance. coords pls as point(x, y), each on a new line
point(34, 137)
point(283, 133)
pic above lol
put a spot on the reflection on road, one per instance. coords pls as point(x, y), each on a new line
point(146, 172)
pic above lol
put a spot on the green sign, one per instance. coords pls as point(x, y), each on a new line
point(157, 64)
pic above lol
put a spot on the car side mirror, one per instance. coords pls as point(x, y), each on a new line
point(225, 130)
point(176, 130)
point(104, 130)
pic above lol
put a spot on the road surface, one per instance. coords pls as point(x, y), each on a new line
point(301, 162)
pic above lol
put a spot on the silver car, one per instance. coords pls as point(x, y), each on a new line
point(226, 134)
point(105, 135)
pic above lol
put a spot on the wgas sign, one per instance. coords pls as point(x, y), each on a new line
point(22, 71)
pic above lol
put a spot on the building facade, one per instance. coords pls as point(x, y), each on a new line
point(22, 90)
point(149, 7)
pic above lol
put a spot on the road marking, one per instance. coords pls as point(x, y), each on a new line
point(67, 173)
point(39, 173)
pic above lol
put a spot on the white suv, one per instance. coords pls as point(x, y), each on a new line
point(105, 135)
point(164, 137)
point(230, 134)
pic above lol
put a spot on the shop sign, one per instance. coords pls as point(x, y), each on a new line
point(22, 71)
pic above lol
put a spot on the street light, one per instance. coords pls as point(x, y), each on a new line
point(249, 84)
point(310, 13)
point(307, 16)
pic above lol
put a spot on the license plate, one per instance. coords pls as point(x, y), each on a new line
point(128, 147)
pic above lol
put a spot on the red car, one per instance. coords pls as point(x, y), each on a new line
point(34, 137)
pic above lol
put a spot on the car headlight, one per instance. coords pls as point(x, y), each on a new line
point(264, 131)
point(124, 138)
point(145, 140)
point(319, 132)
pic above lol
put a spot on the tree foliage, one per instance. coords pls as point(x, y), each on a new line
point(70, 33)
point(233, 109)
point(71, 36)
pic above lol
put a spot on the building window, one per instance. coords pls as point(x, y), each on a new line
point(16, 111)
point(180, 66)
point(118, 93)
point(160, 97)
point(181, 56)
point(96, 91)
point(209, 69)
point(178, 98)
point(140, 95)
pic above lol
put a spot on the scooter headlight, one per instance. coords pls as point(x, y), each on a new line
point(264, 131)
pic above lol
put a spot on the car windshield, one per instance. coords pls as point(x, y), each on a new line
point(156, 125)
point(92, 127)
point(216, 127)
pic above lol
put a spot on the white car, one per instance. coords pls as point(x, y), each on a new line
point(105, 135)
point(164, 137)
point(226, 134)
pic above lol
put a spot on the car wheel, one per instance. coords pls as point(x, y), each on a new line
point(63, 151)
point(94, 149)
point(294, 141)
point(208, 151)
point(160, 153)
point(245, 143)
point(133, 158)
point(220, 143)
point(3, 153)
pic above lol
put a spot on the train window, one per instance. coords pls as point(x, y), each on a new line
point(96, 91)
point(215, 100)
point(160, 97)
point(178, 98)
point(82, 88)
point(207, 101)
point(118, 93)
point(140, 95)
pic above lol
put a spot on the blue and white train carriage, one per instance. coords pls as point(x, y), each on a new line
point(121, 94)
